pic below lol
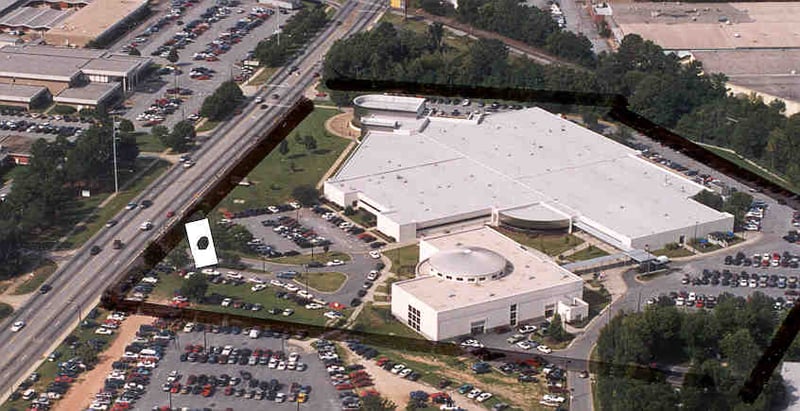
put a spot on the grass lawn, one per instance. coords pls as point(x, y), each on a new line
point(381, 298)
point(550, 244)
point(306, 258)
point(706, 247)
point(208, 125)
point(263, 76)
point(382, 289)
point(47, 370)
point(404, 260)
point(5, 311)
point(741, 161)
point(277, 175)
point(40, 275)
point(379, 320)
point(326, 282)
point(587, 254)
point(130, 186)
point(169, 283)
point(672, 253)
point(149, 143)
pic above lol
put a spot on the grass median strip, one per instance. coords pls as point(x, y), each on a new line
point(39, 275)
point(326, 282)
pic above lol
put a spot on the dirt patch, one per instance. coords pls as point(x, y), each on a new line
point(397, 389)
point(81, 394)
point(525, 395)
point(340, 125)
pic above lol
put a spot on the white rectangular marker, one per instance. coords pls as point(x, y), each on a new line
point(200, 242)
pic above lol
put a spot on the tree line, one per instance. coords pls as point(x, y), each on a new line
point(719, 346)
point(276, 50)
point(738, 203)
point(518, 21)
point(45, 192)
point(222, 103)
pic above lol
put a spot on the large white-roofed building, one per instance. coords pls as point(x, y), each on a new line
point(478, 279)
point(529, 169)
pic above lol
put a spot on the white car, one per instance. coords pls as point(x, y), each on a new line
point(226, 302)
point(375, 254)
point(291, 287)
point(405, 373)
point(145, 226)
point(273, 209)
point(103, 331)
point(525, 345)
point(256, 280)
point(287, 312)
point(189, 327)
point(333, 315)
point(233, 275)
point(313, 306)
point(397, 368)
point(173, 376)
point(345, 225)
point(305, 294)
point(295, 205)
point(545, 349)
point(282, 365)
point(471, 342)
point(334, 263)
point(258, 287)
point(373, 275)
point(553, 398)
point(484, 396)
point(259, 100)
point(474, 394)
point(277, 283)
point(526, 329)
point(280, 397)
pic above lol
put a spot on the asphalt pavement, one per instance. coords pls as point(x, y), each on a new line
point(79, 282)
point(323, 396)
point(226, 67)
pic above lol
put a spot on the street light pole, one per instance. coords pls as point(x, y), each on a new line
point(114, 150)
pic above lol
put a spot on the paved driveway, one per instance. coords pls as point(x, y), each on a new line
point(323, 396)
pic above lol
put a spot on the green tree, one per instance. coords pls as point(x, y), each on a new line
point(740, 350)
point(709, 198)
point(310, 142)
point(159, 131)
point(283, 147)
point(305, 194)
point(126, 126)
point(737, 204)
point(173, 57)
point(376, 403)
point(556, 329)
point(178, 257)
point(225, 99)
point(195, 287)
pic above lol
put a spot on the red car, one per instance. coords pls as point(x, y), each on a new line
point(170, 214)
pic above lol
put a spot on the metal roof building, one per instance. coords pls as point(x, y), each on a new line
point(527, 168)
point(474, 280)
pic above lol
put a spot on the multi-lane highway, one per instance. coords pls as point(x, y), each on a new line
point(79, 282)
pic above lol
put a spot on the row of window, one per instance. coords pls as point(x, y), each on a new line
point(469, 280)
point(413, 318)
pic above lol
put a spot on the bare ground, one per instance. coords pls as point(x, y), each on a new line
point(81, 394)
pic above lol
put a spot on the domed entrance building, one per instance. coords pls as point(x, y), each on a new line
point(478, 279)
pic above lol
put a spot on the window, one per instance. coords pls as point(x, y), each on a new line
point(459, 279)
point(413, 317)
point(512, 320)
point(482, 279)
point(549, 310)
point(472, 280)
point(449, 277)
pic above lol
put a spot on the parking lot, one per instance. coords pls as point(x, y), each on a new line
point(36, 125)
point(322, 395)
point(226, 65)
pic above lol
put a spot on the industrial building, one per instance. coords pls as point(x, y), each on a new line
point(527, 169)
point(98, 21)
point(283, 4)
point(98, 75)
point(476, 280)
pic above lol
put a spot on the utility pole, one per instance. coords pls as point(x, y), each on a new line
point(114, 150)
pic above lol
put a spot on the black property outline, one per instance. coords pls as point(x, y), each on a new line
point(618, 110)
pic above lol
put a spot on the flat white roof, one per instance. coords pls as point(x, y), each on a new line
point(386, 102)
point(533, 271)
point(516, 159)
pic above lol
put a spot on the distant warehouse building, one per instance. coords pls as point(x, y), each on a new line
point(100, 77)
point(476, 280)
point(100, 21)
point(528, 169)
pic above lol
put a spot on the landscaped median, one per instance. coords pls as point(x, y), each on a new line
point(326, 282)
point(39, 275)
